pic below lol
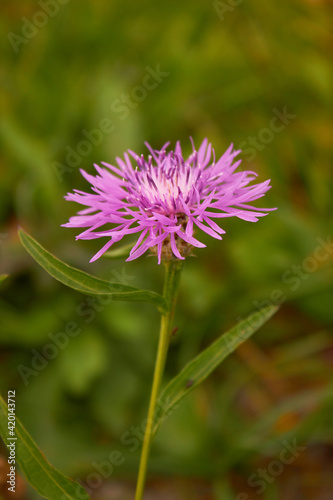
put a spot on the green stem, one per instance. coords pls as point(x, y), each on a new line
point(171, 284)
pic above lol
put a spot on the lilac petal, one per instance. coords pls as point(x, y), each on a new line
point(152, 152)
point(250, 216)
point(174, 247)
point(86, 211)
point(207, 230)
point(158, 239)
point(140, 251)
point(202, 150)
point(204, 204)
point(213, 225)
point(220, 215)
point(88, 234)
point(205, 162)
point(121, 232)
point(149, 242)
point(165, 145)
point(162, 218)
point(178, 149)
point(141, 237)
point(190, 240)
point(102, 250)
point(157, 195)
point(113, 168)
point(189, 227)
point(193, 146)
point(255, 208)
point(159, 252)
point(171, 229)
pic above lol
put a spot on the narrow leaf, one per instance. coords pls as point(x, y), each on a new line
point(83, 282)
point(45, 479)
point(200, 367)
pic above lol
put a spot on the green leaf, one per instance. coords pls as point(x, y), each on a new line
point(200, 367)
point(3, 277)
point(45, 479)
point(83, 282)
point(120, 252)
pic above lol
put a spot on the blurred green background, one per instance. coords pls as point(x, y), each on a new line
point(228, 69)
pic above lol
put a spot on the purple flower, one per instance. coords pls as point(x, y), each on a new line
point(164, 198)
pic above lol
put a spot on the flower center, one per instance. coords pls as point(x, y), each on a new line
point(164, 188)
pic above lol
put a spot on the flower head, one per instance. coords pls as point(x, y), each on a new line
point(164, 198)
